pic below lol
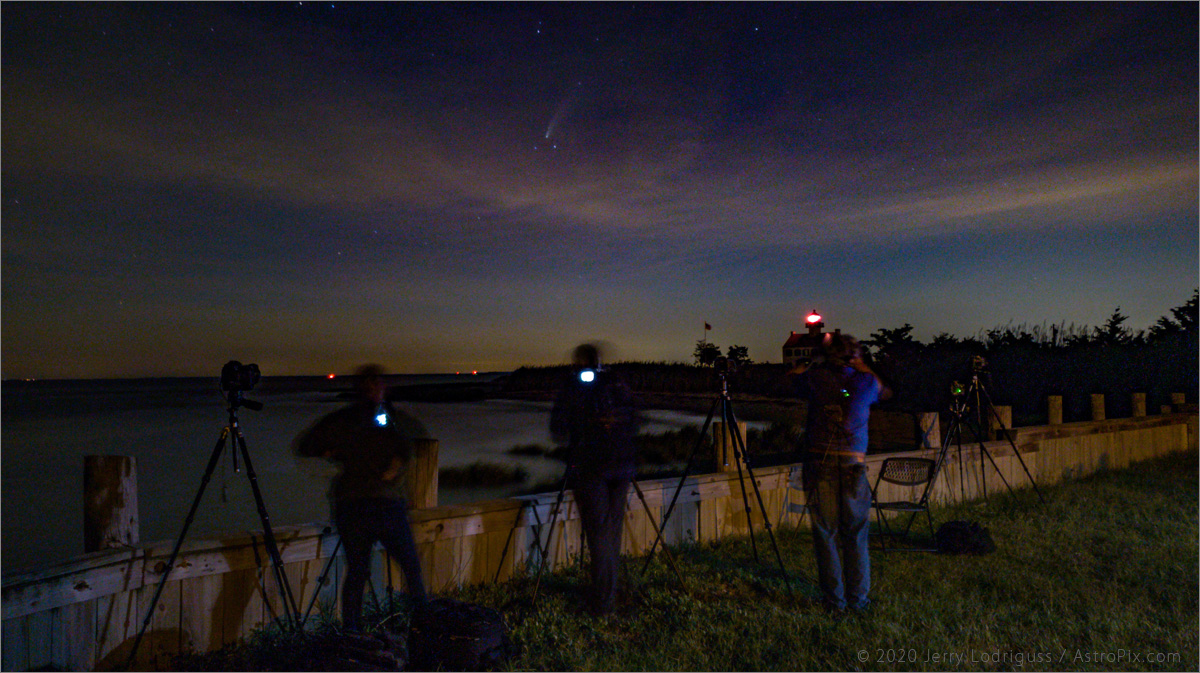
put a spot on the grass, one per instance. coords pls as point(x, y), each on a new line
point(481, 473)
point(1103, 577)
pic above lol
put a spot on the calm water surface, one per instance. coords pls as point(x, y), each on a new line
point(171, 426)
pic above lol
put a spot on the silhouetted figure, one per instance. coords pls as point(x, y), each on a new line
point(372, 443)
point(595, 416)
point(840, 388)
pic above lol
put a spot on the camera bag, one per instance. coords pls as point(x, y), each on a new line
point(964, 537)
point(452, 635)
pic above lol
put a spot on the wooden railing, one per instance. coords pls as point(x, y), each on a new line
point(85, 614)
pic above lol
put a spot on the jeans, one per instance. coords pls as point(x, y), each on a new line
point(360, 523)
point(601, 503)
point(839, 499)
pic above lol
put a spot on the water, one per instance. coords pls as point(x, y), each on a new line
point(171, 426)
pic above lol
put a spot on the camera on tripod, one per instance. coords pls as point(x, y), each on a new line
point(978, 364)
point(237, 377)
point(724, 366)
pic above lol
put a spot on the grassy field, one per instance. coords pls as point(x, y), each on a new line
point(1103, 577)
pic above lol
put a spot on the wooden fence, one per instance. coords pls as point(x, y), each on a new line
point(86, 613)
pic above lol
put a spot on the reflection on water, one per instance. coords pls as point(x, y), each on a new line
point(171, 427)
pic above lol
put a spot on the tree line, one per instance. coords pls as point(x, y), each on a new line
point(1024, 364)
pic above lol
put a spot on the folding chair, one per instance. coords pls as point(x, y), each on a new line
point(793, 498)
point(909, 472)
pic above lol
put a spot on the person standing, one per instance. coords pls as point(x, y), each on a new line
point(596, 418)
point(840, 388)
point(372, 443)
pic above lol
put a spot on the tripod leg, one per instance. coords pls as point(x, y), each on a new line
point(649, 515)
point(1013, 444)
point(740, 446)
point(508, 540)
point(984, 453)
point(391, 590)
point(954, 436)
point(208, 472)
point(976, 431)
point(937, 470)
point(687, 470)
point(550, 533)
point(739, 458)
point(321, 580)
point(285, 590)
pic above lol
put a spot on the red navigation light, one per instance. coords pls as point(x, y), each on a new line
point(330, 376)
point(813, 318)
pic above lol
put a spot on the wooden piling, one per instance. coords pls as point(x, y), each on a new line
point(1139, 404)
point(1054, 410)
point(423, 474)
point(1097, 407)
point(994, 426)
point(110, 503)
point(723, 441)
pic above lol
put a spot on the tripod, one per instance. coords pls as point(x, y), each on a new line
point(725, 404)
point(289, 605)
point(976, 398)
point(554, 516)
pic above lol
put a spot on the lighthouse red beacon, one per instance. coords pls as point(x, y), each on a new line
point(802, 347)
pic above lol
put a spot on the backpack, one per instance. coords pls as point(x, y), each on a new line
point(964, 537)
point(451, 635)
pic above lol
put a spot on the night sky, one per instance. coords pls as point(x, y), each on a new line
point(455, 187)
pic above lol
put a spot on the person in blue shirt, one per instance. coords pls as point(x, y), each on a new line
point(840, 388)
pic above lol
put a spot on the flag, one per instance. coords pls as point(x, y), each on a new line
point(707, 327)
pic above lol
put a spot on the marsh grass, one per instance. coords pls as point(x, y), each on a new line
point(1103, 574)
point(481, 473)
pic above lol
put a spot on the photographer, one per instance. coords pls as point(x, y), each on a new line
point(372, 442)
point(840, 388)
point(596, 418)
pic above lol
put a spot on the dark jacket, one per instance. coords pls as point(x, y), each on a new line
point(373, 455)
point(599, 422)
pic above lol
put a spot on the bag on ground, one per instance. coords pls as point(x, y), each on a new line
point(451, 635)
point(964, 537)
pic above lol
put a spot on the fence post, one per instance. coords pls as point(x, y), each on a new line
point(423, 474)
point(1097, 407)
point(1177, 399)
point(1054, 409)
point(931, 430)
point(1139, 405)
point(1005, 414)
point(723, 442)
point(110, 503)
